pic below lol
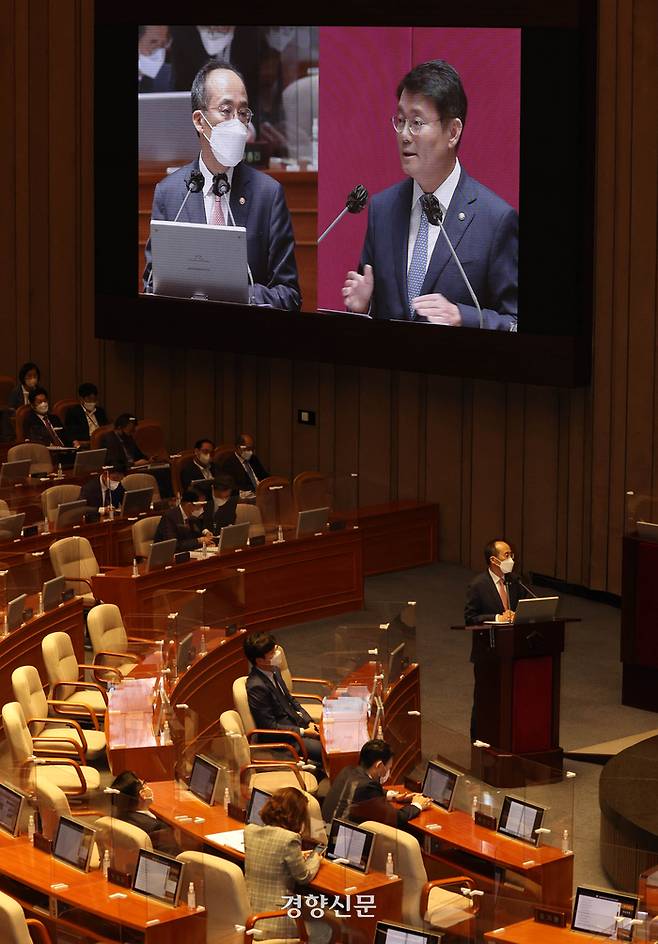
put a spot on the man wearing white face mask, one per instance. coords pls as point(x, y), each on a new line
point(103, 490)
point(220, 508)
point(233, 193)
point(184, 524)
point(154, 73)
point(82, 420)
point(40, 425)
point(244, 466)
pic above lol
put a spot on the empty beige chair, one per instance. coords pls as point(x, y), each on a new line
point(223, 893)
point(423, 901)
point(71, 777)
point(110, 641)
point(53, 804)
point(143, 534)
point(29, 693)
point(141, 480)
point(56, 495)
point(250, 513)
point(4, 508)
point(312, 702)
point(40, 461)
point(282, 770)
point(123, 840)
point(15, 928)
point(74, 559)
point(70, 695)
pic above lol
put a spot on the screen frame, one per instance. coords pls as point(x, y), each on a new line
point(163, 859)
point(130, 499)
point(453, 773)
point(250, 805)
point(336, 823)
point(431, 937)
point(582, 892)
point(507, 802)
point(213, 794)
point(83, 830)
point(21, 804)
point(559, 359)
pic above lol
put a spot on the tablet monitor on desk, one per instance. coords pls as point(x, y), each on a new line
point(51, 593)
point(17, 471)
point(520, 820)
point(89, 460)
point(11, 807)
point(595, 911)
point(12, 525)
point(388, 933)
point(137, 501)
point(70, 513)
point(350, 842)
point(158, 876)
point(257, 801)
point(15, 610)
point(233, 535)
point(536, 609)
point(440, 783)
point(74, 843)
point(312, 520)
point(160, 553)
point(205, 779)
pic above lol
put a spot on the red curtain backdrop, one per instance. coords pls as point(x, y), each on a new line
point(360, 68)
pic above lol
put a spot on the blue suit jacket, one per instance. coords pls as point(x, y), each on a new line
point(486, 242)
point(264, 214)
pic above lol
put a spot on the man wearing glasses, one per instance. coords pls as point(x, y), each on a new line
point(406, 270)
point(246, 197)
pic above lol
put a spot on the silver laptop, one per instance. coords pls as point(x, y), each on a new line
point(70, 513)
point(198, 260)
point(12, 525)
point(312, 520)
point(16, 471)
point(160, 553)
point(166, 132)
point(536, 609)
point(89, 460)
point(647, 530)
point(233, 535)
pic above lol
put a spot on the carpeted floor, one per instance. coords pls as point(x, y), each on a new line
point(591, 683)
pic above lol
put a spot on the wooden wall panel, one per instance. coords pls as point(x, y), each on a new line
point(549, 468)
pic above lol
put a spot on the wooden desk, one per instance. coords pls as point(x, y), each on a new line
point(83, 905)
point(549, 867)
point(170, 801)
point(529, 932)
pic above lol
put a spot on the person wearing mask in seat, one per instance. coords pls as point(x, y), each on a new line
point(29, 377)
point(122, 450)
point(221, 506)
point(184, 524)
point(199, 466)
point(244, 466)
point(131, 799)
point(103, 490)
point(82, 420)
point(41, 426)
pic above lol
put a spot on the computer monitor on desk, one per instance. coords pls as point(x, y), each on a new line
point(74, 843)
point(70, 513)
point(12, 472)
point(536, 609)
point(11, 807)
point(440, 783)
point(521, 820)
point(15, 609)
point(350, 843)
point(595, 911)
point(137, 501)
point(89, 460)
point(312, 520)
point(388, 933)
point(160, 554)
point(12, 525)
point(158, 876)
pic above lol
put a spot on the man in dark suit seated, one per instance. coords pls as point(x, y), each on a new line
point(357, 793)
point(492, 595)
point(122, 451)
point(272, 705)
point(41, 426)
point(29, 377)
point(81, 420)
point(232, 190)
point(221, 506)
point(103, 490)
point(200, 465)
point(406, 270)
point(244, 466)
point(184, 524)
point(131, 799)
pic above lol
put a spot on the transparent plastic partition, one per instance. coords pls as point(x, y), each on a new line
point(641, 515)
point(22, 501)
point(21, 581)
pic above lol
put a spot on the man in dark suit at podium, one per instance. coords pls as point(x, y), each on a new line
point(491, 596)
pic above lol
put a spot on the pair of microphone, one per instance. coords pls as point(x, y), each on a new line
point(194, 184)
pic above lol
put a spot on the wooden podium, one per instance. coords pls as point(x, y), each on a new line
point(517, 699)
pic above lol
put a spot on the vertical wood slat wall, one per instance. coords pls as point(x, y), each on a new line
point(547, 467)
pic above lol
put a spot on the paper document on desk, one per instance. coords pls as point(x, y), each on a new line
point(234, 839)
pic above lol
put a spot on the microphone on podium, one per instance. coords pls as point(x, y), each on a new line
point(356, 201)
point(434, 214)
point(194, 184)
point(220, 185)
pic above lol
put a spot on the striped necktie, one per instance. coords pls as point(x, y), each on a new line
point(418, 267)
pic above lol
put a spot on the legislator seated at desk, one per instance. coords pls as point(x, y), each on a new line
point(122, 451)
point(41, 426)
point(244, 466)
point(184, 523)
point(357, 793)
point(82, 420)
point(200, 465)
point(221, 506)
point(103, 490)
point(29, 376)
point(131, 804)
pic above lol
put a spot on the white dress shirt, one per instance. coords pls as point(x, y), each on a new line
point(209, 196)
point(444, 194)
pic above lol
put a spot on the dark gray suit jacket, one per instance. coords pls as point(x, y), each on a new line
point(257, 203)
point(482, 604)
point(486, 243)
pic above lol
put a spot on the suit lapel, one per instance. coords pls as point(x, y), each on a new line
point(194, 210)
point(496, 602)
point(241, 197)
point(463, 202)
point(400, 235)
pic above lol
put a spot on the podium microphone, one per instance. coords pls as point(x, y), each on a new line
point(434, 214)
point(220, 185)
point(194, 184)
point(355, 202)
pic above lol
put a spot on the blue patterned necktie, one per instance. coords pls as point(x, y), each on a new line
point(418, 267)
